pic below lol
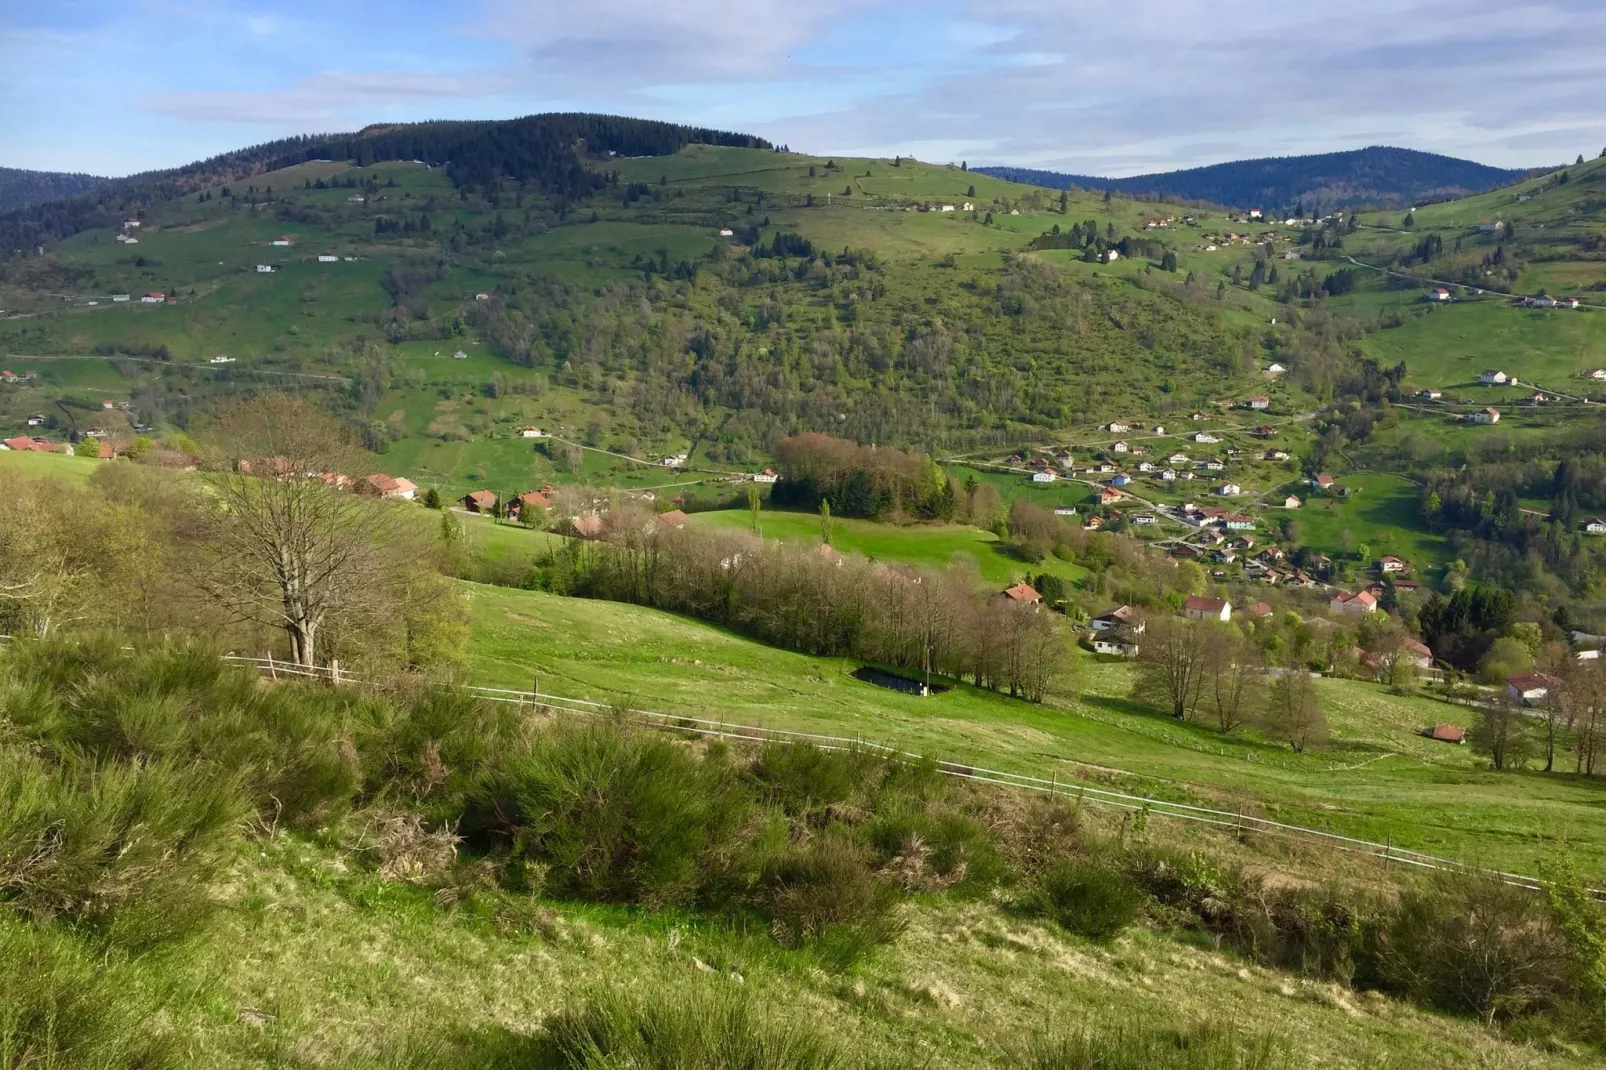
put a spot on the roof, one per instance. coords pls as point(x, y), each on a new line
point(674, 518)
point(481, 498)
point(1198, 604)
point(1363, 597)
point(588, 526)
point(1022, 592)
point(1391, 559)
point(1260, 609)
point(1324, 480)
point(1417, 647)
point(1446, 733)
point(534, 497)
point(1533, 681)
point(1122, 614)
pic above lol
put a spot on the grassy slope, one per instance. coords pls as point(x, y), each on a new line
point(929, 546)
point(313, 964)
point(76, 469)
point(1379, 779)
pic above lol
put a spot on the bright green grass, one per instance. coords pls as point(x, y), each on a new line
point(1449, 348)
point(931, 546)
point(59, 465)
point(1379, 780)
point(1382, 513)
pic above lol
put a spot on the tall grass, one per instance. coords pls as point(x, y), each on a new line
point(1136, 1045)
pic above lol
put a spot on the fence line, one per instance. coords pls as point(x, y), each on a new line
point(1238, 822)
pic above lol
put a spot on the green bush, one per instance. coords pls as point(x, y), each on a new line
point(1087, 898)
point(801, 777)
point(697, 1027)
point(1139, 1046)
point(825, 890)
point(620, 815)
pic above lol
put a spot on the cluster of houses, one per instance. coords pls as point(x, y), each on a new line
point(12, 378)
point(1544, 300)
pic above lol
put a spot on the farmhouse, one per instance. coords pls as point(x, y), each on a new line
point(1120, 479)
point(1121, 447)
point(1486, 416)
point(1109, 495)
point(767, 476)
point(1260, 609)
point(1417, 651)
point(1259, 403)
point(1390, 563)
point(386, 487)
point(1430, 395)
point(1215, 465)
point(1274, 455)
point(1021, 594)
point(1177, 458)
point(1292, 502)
point(1169, 475)
point(480, 501)
point(1117, 642)
point(587, 527)
point(281, 242)
point(1117, 428)
point(674, 518)
point(1323, 481)
point(1046, 476)
point(1597, 526)
point(726, 232)
point(1122, 616)
point(536, 498)
point(531, 432)
point(153, 298)
point(1494, 377)
point(1276, 369)
point(1531, 688)
point(1361, 602)
point(1229, 490)
point(1196, 607)
point(1438, 293)
point(328, 258)
point(1205, 437)
point(1237, 522)
point(1144, 518)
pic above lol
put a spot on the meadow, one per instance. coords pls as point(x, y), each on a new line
point(1379, 779)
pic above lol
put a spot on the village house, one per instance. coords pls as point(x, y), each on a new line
point(153, 298)
point(674, 518)
point(1430, 395)
point(1323, 481)
point(1229, 490)
point(531, 432)
point(1205, 437)
point(587, 527)
point(1215, 465)
point(1065, 510)
point(726, 232)
point(1361, 602)
point(1532, 688)
point(1046, 476)
point(1238, 522)
point(459, 355)
point(1109, 496)
point(1159, 429)
point(1117, 642)
point(1275, 369)
point(1122, 616)
point(1197, 607)
point(1389, 563)
point(356, 198)
point(1489, 415)
point(281, 242)
point(36, 419)
point(328, 258)
point(1259, 403)
point(1146, 466)
point(1438, 293)
point(1493, 377)
point(1092, 523)
point(1120, 479)
point(386, 487)
point(1596, 526)
point(1292, 502)
point(1117, 428)
point(1144, 519)
point(769, 475)
point(1177, 458)
point(1274, 455)
point(480, 501)
point(1021, 594)
point(1260, 610)
point(1417, 652)
point(220, 359)
point(1169, 475)
point(1121, 447)
point(1199, 416)
point(535, 498)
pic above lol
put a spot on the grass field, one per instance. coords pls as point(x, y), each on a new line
point(930, 546)
point(1378, 780)
point(1382, 513)
point(60, 466)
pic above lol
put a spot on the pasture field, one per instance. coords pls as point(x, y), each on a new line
point(930, 546)
point(1378, 780)
point(1382, 513)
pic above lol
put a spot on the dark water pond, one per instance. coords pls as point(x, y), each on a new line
point(907, 684)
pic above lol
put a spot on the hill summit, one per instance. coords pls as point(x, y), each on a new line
point(1376, 176)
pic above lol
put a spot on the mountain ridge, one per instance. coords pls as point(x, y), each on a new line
point(22, 188)
point(1375, 176)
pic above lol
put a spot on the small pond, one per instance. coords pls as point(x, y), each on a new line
point(907, 684)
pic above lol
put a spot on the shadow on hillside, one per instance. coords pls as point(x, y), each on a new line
point(1131, 707)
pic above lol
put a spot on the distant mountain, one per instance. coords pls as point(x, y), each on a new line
point(1378, 176)
point(19, 189)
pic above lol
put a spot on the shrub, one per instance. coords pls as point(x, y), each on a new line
point(824, 890)
point(1087, 898)
point(618, 815)
point(801, 777)
point(1470, 942)
point(1139, 1046)
point(686, 1028)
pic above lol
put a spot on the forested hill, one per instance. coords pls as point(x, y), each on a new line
point(1375, 177)
point(542, 153)
point(19, 188)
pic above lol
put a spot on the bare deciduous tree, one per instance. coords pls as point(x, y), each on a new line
point(277, 544)
point(1172, 666)
point(1235, 684)
point(1294, 712)
point(1503, 733)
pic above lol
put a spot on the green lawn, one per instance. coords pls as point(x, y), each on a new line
point(931, 546)
point(1381, 513)
point(1378, 780)
point(59, 465)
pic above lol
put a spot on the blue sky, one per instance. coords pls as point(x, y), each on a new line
point(1076, 85)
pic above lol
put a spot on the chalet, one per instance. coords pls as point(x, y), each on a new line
point(1494, 377)
point(1021, 594)
point(1292, 502)
point(1117, 642)
point(1259, 404)
point(1438, 293)
point(1109, 496)
point(587, 527)
point(1532, 688)
point(1043, 477)
point(1120, 479)
point(1122, 616)
point(386, 487)
point(1118, 428)
point(1597, 526)
point(264, 269)
point(1205, 437)
point(1196, 607)
point(1323, 481)
point(1390, 563)
point(153, 298)
point(1360, 602)
point(1229, 490)
point(1430, 395)
point(531, 432)
point(480, 501)
point(1446, 733)
point(1490, 415)
point(769, 475)
point(1276, 369)
point(1169, 475)
point(1121, 447)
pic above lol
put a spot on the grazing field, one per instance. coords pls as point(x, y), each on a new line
point(1381, 513)
point(58, 465)
point(1378, 780)
point(930, 546)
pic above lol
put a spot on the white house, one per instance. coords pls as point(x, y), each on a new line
point(1116, 644)
point(1115, 427)
point(1292, 502)
point(1205, 437)
point(1145, 466)
point(1177, 458)
point(264, 269)
point(127, 223)
point(1065, 510)
point(1438, 293)
point(153, 299)
point(1486, 416)
point(1196, 607)
point(1229, 490)
point(726, 232)
point(119, 298)
point(281, 242)
point(1159, 429)
point(1531, 688)
point(1599, 375)
point(1120, 617)
point(328, 258)
point(1390, 563)
point(1597, 526)
point(1494, 377)
point(221, 360)
point(1276, 369)
point(1121, 447)
point(766, 476)
point(1360, 602)
point(945, 208)
point(1111, 255)
point(36, 420)
point(1169, 475)
point(1259, 404)
point(531, 432)
point(1043, 477)
point(1145, 519)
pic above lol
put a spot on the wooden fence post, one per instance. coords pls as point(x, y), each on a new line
point(334, 672)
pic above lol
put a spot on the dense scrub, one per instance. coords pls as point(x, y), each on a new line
point(128, 777)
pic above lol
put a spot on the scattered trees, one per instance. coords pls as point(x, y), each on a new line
point(1294, 712)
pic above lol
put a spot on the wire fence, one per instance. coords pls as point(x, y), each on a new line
point(1237, 823)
